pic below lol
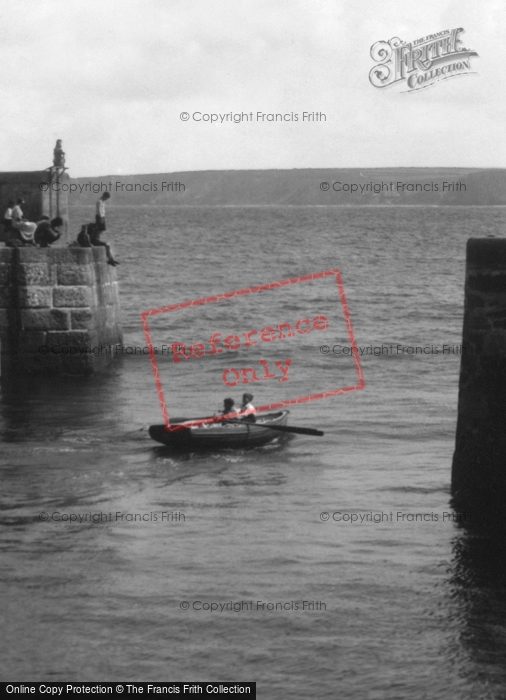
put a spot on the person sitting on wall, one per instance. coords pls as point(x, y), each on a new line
point(22, 234)
point(22, 231)
point(7, 220)
point(89, 237)
point(17, 213)
point(247, 410)
point(46, 232)
point(83, 238)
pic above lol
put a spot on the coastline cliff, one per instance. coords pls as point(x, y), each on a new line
point(352, 186)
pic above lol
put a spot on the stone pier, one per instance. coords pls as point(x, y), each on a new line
point(59, 310)
point(479, 463)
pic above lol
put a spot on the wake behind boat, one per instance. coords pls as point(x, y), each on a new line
point(235, 434)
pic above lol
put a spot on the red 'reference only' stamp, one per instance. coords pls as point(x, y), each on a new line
point(227, 348)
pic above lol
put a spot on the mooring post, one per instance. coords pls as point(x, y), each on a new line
point(479, 463)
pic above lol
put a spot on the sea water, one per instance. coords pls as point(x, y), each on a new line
point(318, 567)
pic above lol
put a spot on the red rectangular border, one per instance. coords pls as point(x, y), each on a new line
point(241, 292)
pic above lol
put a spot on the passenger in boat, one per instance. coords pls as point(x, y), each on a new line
point(247, 410)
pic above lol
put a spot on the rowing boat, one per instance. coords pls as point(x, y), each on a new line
point(228, 435)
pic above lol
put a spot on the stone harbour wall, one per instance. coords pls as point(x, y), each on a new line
point(479, 463)
point(59, 310)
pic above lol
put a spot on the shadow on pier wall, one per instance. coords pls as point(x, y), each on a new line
point(478, 591)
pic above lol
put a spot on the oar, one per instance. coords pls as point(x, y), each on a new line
point(283, 428)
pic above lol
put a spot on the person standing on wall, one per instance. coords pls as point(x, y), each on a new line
point(100, 211)
point(94, 231)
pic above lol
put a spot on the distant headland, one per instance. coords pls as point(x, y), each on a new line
point(315, 186)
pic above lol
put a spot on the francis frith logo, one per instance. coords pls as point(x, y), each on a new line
point(422, 62)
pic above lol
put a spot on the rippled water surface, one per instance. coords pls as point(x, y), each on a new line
point(401, 608)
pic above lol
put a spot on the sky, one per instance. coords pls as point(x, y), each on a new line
point(111, 79)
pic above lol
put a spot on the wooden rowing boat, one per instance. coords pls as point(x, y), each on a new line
point(230, 435)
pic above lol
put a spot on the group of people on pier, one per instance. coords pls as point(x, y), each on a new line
point(18, 231)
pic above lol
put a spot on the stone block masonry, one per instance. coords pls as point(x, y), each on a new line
point(479, 463)
point(59, 310)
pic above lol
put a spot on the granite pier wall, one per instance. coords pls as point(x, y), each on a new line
point(479, 463)
point(59, 310)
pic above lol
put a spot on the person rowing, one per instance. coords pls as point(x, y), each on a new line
point(228, 408)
